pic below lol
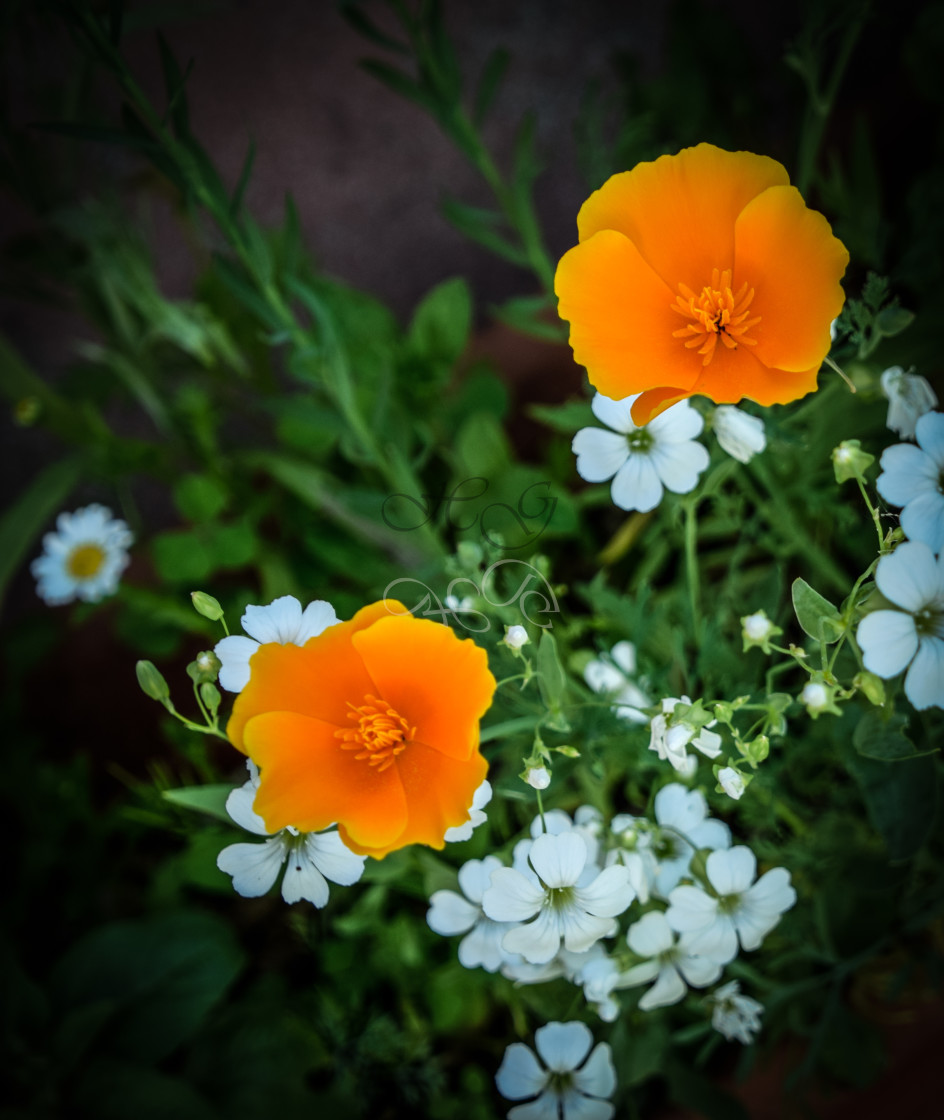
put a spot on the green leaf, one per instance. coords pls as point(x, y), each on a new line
point(231, 546)
point(175, 83)
point(237, 202)
point(566, 418)
point(552, 679)
point(204, 799)
point(901, 800)
point(199, 497)
point(113, 1090)
point(817, 616)
point(893, 320)
point(528, 314)
point(480, 225)
point(880, 738)
point(181, 557)
point(22, 523)
point(494, 70)
point(482, 447)
point(440, 328)
point(400, 83)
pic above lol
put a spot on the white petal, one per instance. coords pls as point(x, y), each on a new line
point(520, 1075)
point(563, 1046)
point(691, 908)
point(906, 472)
point(482, 947)
point(316, 618)
point(639, 974)
point(449, 913)
point(753, 924)
point(910, 576)
point(278, 622)
point(475, 876)
point(581, 930)
point(537, 941)
point(698, 972)
point(740, 434)
point(303, 880)
point(597, 1077)
point(731, 871)
point(254, 867)
point(599, 454)
point(239, 806)
point(773, 891)
point(678, 423)
point(888, 640)
point(719, 941)
point(678, 465)
point(929, 432)
point(636, 485)
point(601, 676)
point(560, 859)
point(544, 1108)
point(234, 652)
point(651, 935)
point(617, 415)
point(482, 796)
point(679, 808)
point(711, 834)
point(511, 897)
point(922, 519)
point(669, 988)
point(574, 1106)
point(624, 654)
point(924, 685)
point(608, 894)
point(333, 858)
point(708, 742)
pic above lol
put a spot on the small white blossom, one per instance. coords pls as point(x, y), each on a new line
point(739, 433)
point(313, 857)
point(910, 396)
point(569, 1085)
point(671, 734)
point(587, 823)
point(740, 909)
point(84, 558)
point(450, 913)
point(643, 462)
point(734, 1015)
point(516, 637)
point(613, 674)
point(562, 910)
point(684, 827)
point(538, 777)
point(815, 696)
point(913, 477)
point(282, 621)
point(668, 963)
point(911, 638)
point(480, 799)
point(732, 782)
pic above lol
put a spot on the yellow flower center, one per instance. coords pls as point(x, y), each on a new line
point(85, 561)
point(717, 312)
point(380, 735)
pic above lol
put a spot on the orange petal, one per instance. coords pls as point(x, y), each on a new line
point(648, 405)
point(621, 321)
point(439, 683)
point(423, 769)
point(788, 254)
point(680, 210)
point(317, 679)
point(308, 781)
point(733, 374)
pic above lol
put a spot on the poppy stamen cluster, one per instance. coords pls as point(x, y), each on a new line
point(717, 313)
point(381, 733)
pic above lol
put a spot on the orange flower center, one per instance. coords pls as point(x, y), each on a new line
point(717, 313)
point(380, 735)
point(84, 561)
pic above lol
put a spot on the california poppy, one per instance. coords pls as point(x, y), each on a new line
point(702, 272)
point(374, 724)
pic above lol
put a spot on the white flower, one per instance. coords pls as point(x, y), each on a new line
point(671, 734)
point(480, 799)
point(313, 857)
point(538, 777)
point(612, 673)
point(909, 397)
point(562, 1090)
point(912, 638)
point(712, 924)
point(732, 782)
point(642, 462)
point(734, 1015)
point(84, 558)
point(913, 477)
point(578, 916)
point(684, 827)
point(282, 621)
point(634, 838)
point(669, 963)
point(587, 823)
point(739, 433)
point(815, 696)
point(450, 913)
point(598, 974)
point(516, 637)
point(757, 627)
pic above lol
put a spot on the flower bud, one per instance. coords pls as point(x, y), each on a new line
point(205, 667)
point(151, 681)
point(739, 433)
point(206, 605)
point(732, 782)
point(516, 637)
point(757, 630)
point(818, 698)
point(850, 461)
point(538, 777)
point(871, 685)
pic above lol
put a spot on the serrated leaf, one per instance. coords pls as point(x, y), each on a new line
point(203, 799)
point(817, 616)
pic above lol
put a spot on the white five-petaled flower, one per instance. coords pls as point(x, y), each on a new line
point(739, 433)
point(913, 477)
point(84, 558)
point(569, 1085)
point(562, 911)
point(450, 913)
point(911, 638)
point(612, 674)
point(313, 857)
point(910, 396)
point(668, 963)
point(734, 1015)
point(480, 799)
point(643, 462)
point(684, 827)
point(671, 734)
point(282, 621)
point(739, 908)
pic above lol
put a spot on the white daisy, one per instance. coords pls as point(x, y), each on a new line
point(670, 734)
point(569, 1085)
point(738, 908)
point(643, 462)
point(909, 398)
point(734, 1015)
point(673, 968)
point(562, 911)
point(450, 913)
point(480, 799)
point(84, 558)
point(739, 433)
point(282, 621)
point(612, 674)
point(313, 857)
point(911, 638)
point(913, 477)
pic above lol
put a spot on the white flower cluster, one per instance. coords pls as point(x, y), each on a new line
point(548, 915)
point(911, 636)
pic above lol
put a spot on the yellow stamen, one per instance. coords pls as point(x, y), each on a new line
point(85, 561)
point(381, 733)
point(717, 313)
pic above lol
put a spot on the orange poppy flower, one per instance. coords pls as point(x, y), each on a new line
point(702, 272)
point(374, 724)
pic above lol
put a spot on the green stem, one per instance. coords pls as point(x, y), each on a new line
point(876, 519)
point(691, 564)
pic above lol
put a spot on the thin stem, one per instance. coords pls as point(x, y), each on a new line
point(876, 519)
point(691, 564)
